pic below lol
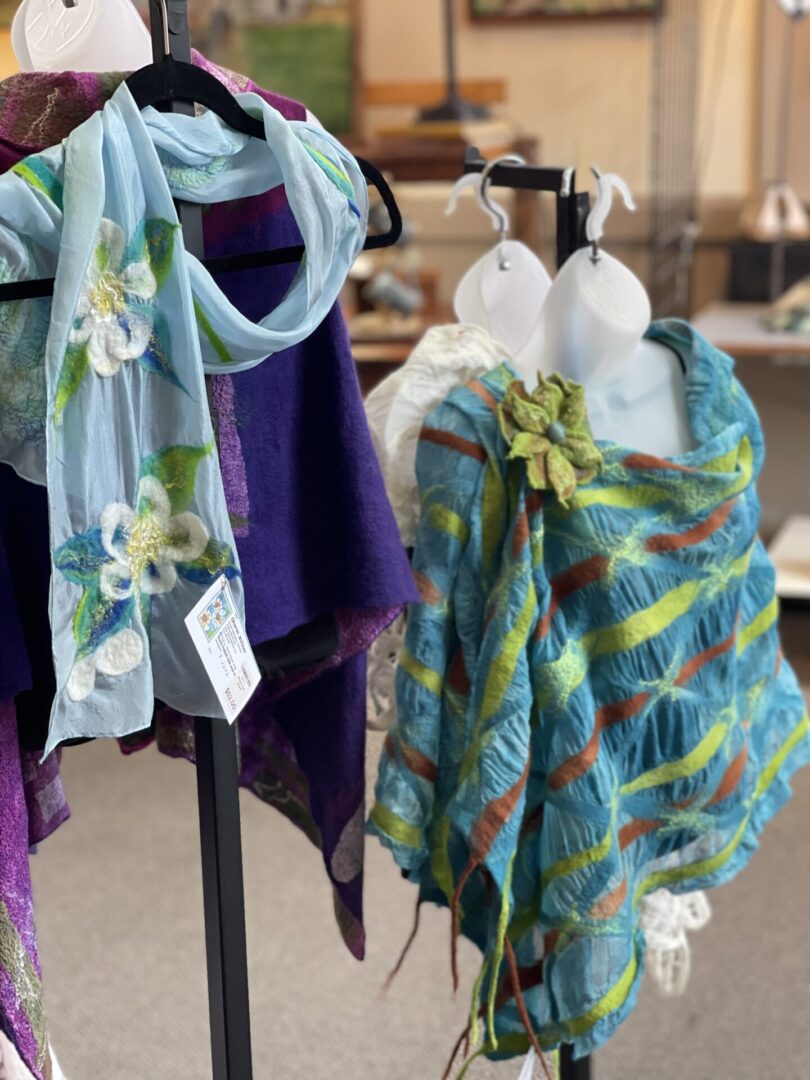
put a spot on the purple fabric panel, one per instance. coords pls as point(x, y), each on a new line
point(231, 456)
point(21, 1012)
point(331, 751)
point(44, 796)
point(322, 534)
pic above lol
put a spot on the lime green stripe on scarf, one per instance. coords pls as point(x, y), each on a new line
point(404, 832)
point(759, 625)
point(693, 762)
point(448, 521)
point(716, 862)
point(427, 677)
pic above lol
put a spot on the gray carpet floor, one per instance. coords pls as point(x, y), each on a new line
point(118, 896)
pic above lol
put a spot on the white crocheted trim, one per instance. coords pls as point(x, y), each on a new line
point(12, 1066)
point(665, 919)
point(447, 357)
point(383, 657)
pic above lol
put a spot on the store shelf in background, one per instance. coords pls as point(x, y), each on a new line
point(738, 329)
point(425, 93)
point(790, 552)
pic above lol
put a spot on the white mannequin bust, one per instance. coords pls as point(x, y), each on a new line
point(592, 330)
point(95, 35)
point(503, 291)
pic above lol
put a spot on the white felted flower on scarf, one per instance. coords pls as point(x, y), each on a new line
point(116, 656)
point(111, 319)
point(145, 543)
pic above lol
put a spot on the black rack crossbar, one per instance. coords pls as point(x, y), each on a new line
point(573, 207)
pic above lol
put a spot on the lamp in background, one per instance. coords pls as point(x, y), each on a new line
point(453, 108)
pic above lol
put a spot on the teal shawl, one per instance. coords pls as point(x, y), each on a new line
point(592, 700)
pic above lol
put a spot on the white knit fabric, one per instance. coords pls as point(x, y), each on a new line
point(665, 919)
point(446, 357)
point(383, 657)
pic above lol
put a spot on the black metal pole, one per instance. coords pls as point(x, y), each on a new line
point(453, 109)
point(574, 1070)
point(223, 899)
point(216, 753)
point(450, 52)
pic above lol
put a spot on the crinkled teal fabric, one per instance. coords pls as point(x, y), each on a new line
point(592, 701)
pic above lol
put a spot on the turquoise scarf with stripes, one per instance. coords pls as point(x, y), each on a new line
point(592, 701)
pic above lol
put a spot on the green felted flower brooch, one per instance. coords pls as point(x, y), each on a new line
point(549, 430)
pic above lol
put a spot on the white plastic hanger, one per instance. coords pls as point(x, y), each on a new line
point(796, 9)
point(592, 331)
point(504, 291)
point(89, 35)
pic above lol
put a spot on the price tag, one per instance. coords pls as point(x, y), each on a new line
point(219, 637)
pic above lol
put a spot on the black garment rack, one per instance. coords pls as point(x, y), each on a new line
point(215, 741)
point(572, 209)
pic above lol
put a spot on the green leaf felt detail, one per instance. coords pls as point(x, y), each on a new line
point(176, 468)
point(97, 618)
point(152, 242)
point(159, 235)
point(74, 368)
point(215, 560)
point(156, 358)
point(81, 557)
point(146, 610)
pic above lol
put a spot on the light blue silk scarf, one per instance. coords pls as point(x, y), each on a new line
point(103, 397)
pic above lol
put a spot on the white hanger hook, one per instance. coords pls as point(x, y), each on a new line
point(605, 185)
point(479, 182)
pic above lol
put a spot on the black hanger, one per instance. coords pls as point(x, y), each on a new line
point(171, 80)
point(175, 80)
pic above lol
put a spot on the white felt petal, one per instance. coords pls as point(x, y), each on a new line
point(150, 488)
point(112, 574)
point(79, 334)
point(115, 516)
point(138, 279)
point(102, 363)
point(127, 342)
point(120, 653)
point(162, 580)
point(189, 538)
point(111, 236)
point(82, 679)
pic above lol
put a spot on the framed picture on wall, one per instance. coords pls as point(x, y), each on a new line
point(304, 49)
point(561, 9)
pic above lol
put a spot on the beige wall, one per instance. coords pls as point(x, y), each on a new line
point(583, 87)
point(8, 62)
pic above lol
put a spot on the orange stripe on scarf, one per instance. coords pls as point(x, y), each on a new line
point(676, 541)
point(453, 442)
